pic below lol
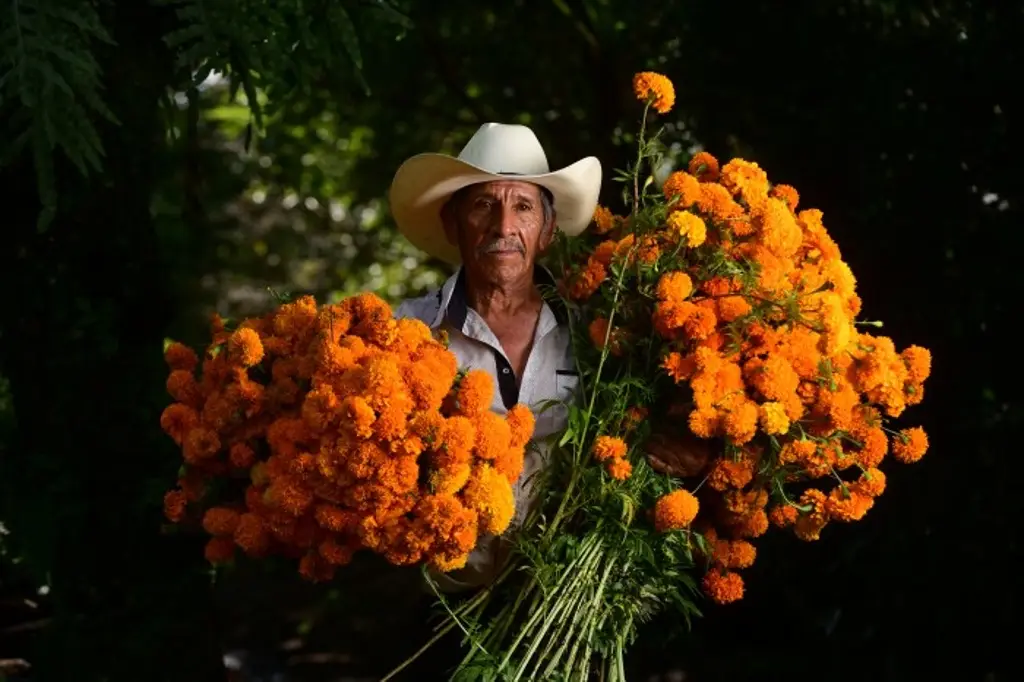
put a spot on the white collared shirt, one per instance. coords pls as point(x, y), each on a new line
point(549, 374)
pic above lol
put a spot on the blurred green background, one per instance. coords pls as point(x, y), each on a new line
point(144, 192)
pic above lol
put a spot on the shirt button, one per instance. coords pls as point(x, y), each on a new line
point(505, 370)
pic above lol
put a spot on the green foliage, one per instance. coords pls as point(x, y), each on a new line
point(51, 87)
point(51, 82)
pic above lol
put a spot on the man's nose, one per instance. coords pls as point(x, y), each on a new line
point(504, 219)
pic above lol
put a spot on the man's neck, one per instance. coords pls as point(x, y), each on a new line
point(512, 299)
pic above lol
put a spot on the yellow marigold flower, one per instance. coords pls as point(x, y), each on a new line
point(704, 166)
point(604, 220)
point(910, 445)
point(655, 87)
point(245, 347)
point(490, 495)
point(724, 587)
point(688, 225)
point(773, 418)
point(674, 286)
point(609, 447)
point(682, 189)
point(675, 511)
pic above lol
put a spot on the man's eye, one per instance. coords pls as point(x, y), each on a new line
point(524, 207)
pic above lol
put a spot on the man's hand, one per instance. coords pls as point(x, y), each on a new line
point(681, 456)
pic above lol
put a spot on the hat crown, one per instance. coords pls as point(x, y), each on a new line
point(506, 149)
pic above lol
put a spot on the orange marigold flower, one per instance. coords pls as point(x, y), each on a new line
point(910, 445)
point(873, 446)
point(735, 553)
point(788, 194)
point(220, 521)
point(808, 527)
point(476, 391)
point(315, 569)
point(608, 447)
point(493, 436)
point(871, 483)
point(704, 166)
point(773, 418)
point(604, 220)
point(245, 347)
point(219, 550)
point(678, 366)
point(656, 88)
point(251, 535)
point(777, 228)
point(334, 553)
point(599, 332)
point(714, 201)
point(782, 515)
point(701, 324)
point(682, 189)
point(675, 511)
point(674, 286)
point(604, 252)
point(358, 416)
point(510, 463)
point(689, 226)
point(241, 455)
point(178, 420)
point(740, 421)
point(752, 525)
point(724, 587)
point(175, 503)
point(746, 180)
point(918, 361)
point(588, 280)
point(619, 468)
point(200, 444)
point(521, 423)
point(178, 356)
point(335, 519)
point(458, 436)
point(726, 473)
point(705, 423)
point(847, 505)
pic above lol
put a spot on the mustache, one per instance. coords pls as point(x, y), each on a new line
point(503, 244)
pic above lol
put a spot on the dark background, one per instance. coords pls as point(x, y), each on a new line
point(900, 120)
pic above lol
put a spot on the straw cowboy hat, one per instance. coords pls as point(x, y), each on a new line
point(495, 152)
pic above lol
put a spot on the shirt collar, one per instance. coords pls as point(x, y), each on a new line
point(453, 305)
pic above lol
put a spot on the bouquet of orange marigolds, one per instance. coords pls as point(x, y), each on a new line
point(317, 431)
point(727, 386)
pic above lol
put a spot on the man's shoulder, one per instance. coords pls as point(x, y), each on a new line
point(423, 308)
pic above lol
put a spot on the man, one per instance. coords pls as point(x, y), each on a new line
point(492, 212)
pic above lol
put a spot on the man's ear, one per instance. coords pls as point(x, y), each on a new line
point(449, 222)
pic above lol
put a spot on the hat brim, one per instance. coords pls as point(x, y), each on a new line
point(424, 183)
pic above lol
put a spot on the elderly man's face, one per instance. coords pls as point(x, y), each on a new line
point(500, 228)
